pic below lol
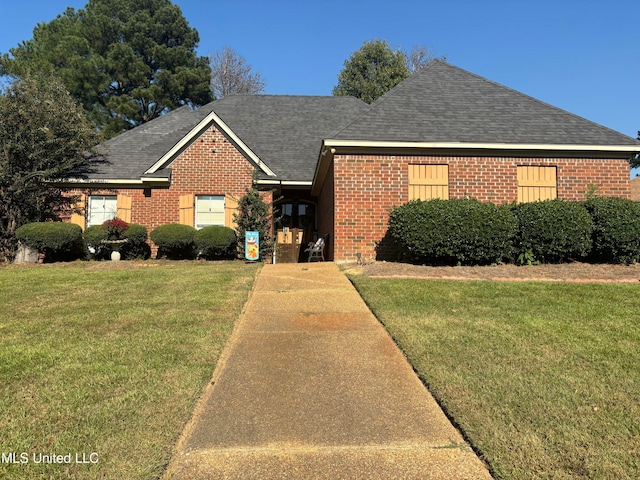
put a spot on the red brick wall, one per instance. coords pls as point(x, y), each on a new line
point(367, 187)
point(325, 215)
point(209, 166)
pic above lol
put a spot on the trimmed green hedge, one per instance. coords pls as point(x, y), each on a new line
point(93, 239)
point(449, 232)
point(616, 229)
point(174, 241)
point(136, 246)
point(216, 242)
point(552, 231)
point(58, 241)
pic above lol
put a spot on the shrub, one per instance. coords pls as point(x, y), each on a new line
point(174, 241)
point(616, 229)
point(136, 245)
point(552, 231)
point(459, 231)
point(56, 240)
point(93, 239)
point(215, 242)
point(115, 228)
point(255, 215)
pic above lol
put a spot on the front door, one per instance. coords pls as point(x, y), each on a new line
point(295, 228)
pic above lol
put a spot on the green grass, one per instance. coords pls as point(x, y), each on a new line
point(542, 378)
point(109, 359)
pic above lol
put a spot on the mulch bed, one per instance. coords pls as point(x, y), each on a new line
point(569, 272)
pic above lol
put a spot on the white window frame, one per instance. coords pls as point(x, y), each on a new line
point(209, 210)
point(101, 208)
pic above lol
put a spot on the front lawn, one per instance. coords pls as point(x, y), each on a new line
point(543, 378)
point(101, 364)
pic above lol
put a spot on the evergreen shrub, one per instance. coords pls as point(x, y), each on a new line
point(136, 245)
point(450, 232)
point(616, 229)
point(58, 241)
point(174, 241)
point(552, 231)
point(216, 242)
point(93, 239)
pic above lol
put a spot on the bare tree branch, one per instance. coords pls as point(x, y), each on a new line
point(231, 75)
point(420, 56)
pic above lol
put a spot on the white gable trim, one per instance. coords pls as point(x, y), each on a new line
point(209, 120)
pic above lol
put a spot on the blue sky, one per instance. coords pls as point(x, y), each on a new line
point(582, 56)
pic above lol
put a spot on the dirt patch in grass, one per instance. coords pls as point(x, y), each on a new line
point(576, 272)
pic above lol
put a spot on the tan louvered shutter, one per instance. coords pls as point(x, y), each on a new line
point(123, 211)
point(427, 182)
point(230, 207)
point(79, 218)
point(186, 209)
point(536, 183)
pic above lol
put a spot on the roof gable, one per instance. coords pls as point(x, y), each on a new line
point(443, 103)
point(286, 131)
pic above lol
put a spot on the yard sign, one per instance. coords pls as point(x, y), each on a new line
point(252, 246)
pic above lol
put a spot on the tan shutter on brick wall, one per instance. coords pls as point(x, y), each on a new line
point(427, 182)
point(230, 207)
point(79, 218)
point(123, 211)
point(187, 215)
point(537, 183)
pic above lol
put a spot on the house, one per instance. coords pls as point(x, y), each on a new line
point(635, 189)
point(337, 165)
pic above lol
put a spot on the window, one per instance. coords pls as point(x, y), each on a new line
point(536, 183)
point(427, 182)
point(209, 210)
point(101, 209)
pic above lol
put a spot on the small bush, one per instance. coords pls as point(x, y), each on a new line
point(616, 229)
point(56, 240)
point(115, 228)
point(136, 245)
point(93, 239)
point(459, 231)
point(174, 241)
point(552, 231)
point(215, 242)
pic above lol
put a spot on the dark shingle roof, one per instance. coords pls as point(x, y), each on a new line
point(443, 103)
point(440, 103)
point(131, 153)
point(286, 131)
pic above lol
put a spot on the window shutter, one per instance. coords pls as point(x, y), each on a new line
point(427, 182)
point(79, 218)
point(124, 208)
point(536, 183)
point(186, 210)
point(230, 207)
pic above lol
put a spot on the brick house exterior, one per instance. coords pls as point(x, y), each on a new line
point(336, 165)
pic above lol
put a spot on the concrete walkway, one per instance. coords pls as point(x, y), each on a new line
point(311, 386)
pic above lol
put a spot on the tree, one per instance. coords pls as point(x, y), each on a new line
point(125, 61)
point(231, 75)
point(635, 160)
point(372, 71)
point(421, 56)
point(44, 135)
point(254, 215)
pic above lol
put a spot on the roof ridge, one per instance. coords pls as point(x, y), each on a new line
point(384, 97)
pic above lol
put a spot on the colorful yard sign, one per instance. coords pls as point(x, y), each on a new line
point(252, 245)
